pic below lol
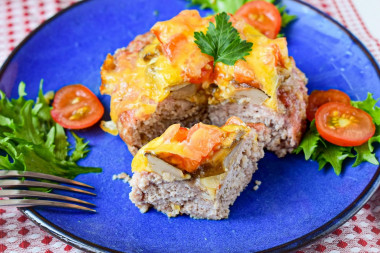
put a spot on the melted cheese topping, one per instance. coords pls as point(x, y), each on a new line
point(138, 80)
point(231, 134)
point(139, 87)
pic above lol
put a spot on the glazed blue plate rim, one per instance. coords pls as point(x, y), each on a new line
point(312, 236)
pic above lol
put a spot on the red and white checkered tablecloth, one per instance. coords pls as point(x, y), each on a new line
point(18, 234)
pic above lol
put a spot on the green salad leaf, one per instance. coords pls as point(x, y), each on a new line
point(316, 148)
point(364, 154)
point(222, 41)
point(231, 6)
point(286, 18)
point(309, 142)
point(31, 141)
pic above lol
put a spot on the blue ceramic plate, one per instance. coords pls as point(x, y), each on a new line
point(295, 204)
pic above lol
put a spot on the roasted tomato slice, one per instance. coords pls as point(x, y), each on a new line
point(76, 107)
point(203, 139)
point(320, 97)
point(181, 135)
point(262, 15)
point(344, 125)
point(199, 141)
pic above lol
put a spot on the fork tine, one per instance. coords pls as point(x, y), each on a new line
point(28, 183)
point(26, 193)
point(36, 202)
point(30, 174)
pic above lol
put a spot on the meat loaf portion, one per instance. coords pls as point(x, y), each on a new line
point(190, 196)
point(137, 132)
point(285, 126)
point(177, 107)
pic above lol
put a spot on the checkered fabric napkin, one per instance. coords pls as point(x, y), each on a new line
point(18, 234)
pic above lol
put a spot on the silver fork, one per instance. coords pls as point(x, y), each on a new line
point(6, 183)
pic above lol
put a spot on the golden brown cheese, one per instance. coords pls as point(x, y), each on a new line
point(138, 80)
point(232, 133)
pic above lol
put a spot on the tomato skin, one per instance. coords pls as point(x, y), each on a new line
point(173, 47)
point(262, 15)
point(320, 97)
point(181, 135)
point(358, 128)
point(183, 163)
point(203, 138)
point(76, 107)
point(243, 73)
point(200, 140)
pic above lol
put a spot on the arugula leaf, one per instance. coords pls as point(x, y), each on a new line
point(316, 148)
point(81, 148)
point(32, 141)
point(60, 143)
point(21, 90)
point(223, 41)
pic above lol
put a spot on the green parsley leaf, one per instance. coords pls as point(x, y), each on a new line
point(32, 141)
point(223, 41)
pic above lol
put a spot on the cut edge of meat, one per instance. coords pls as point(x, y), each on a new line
point(190, 197)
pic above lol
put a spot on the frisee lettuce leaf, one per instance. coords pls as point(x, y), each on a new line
point(32, 141)
point(231, 6)
point(315, 147)
point(286, 18)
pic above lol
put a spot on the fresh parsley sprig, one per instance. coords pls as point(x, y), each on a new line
point(318, 149)
point(222, 41)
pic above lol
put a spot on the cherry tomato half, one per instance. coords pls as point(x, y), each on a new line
point(320, 97)
point(344, 125)
point(262, 15)
point(76, 107)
